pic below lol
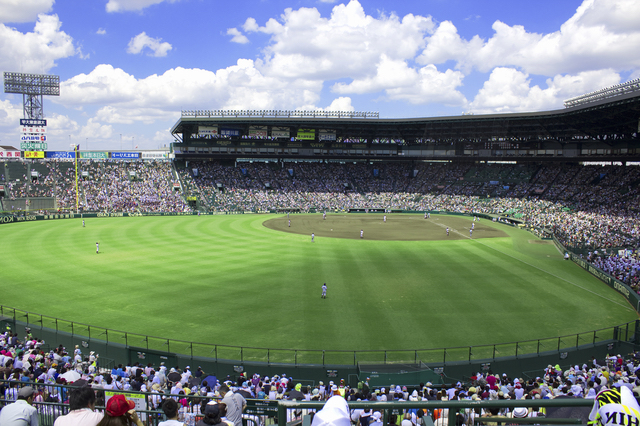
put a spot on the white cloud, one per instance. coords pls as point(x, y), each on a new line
point(142, 40)
point(601, 34)
point(132, 5)
point(510, 90)
point(23, 10)
point(340, 104)
point(10, 115)
point(94, 130)
point(237, 36)
point(101, 31)
point(401, 82)
point(160, 97)
point(349, 44)
point(37, 51)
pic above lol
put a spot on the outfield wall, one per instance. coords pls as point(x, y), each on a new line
point(384, 367)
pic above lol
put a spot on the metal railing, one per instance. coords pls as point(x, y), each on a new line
point(284, 412)
point(104, 336)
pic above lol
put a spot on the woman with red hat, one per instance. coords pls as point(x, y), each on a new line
point(119, 411)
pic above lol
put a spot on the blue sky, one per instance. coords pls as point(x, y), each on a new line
point(128, 67)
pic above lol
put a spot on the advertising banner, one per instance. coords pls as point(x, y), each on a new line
point(258, 131)
point(155, 155)
point(306, 134)
point(33, 138)
point(95, 155)
point(9, 154)
point(280, 132)
point(327, 135)
point(208, 130)
point(34, 154)
point(30, 146)
point(34, 130)
point(230, 132)
point(60, 154)
point(32, 122)
point(125, 155)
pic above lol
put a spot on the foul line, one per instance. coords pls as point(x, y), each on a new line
point(538, 268)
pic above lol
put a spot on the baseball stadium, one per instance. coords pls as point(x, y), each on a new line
point(447, 245)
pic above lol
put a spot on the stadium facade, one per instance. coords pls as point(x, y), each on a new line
point(602, 126)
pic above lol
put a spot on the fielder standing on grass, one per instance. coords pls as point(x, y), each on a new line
point(97, 247)
point(312, 236)
point(324, 290)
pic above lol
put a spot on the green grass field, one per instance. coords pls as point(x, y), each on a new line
point(250, 280)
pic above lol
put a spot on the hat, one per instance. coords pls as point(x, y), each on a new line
point(377, 415)
point(520, 412)
point(334, 413)
point(118, 405)
point(212, 409)
point(25, 392)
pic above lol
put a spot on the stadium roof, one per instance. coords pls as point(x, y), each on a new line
point(608, 121)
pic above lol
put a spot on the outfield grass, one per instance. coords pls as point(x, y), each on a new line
point(233, 280)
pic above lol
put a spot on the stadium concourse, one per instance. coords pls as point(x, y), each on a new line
point(24, 363)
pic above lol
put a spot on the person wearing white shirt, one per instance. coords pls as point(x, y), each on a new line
point(21, 412)
point(82, 403)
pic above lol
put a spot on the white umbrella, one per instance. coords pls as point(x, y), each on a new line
point(71, 376)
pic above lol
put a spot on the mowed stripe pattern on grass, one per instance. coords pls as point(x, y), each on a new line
point(229, 280)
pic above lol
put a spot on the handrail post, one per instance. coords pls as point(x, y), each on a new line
point(282, 414)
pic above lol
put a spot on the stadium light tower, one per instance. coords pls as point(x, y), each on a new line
point(32, 87)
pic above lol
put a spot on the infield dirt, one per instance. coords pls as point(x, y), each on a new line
point(398, 227)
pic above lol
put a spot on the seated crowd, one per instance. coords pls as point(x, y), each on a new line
point(39, 376)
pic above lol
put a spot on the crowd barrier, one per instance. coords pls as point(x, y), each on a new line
point(289, 413)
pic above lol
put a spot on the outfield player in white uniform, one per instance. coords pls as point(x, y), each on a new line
point(384, 219)
point(97, 247)
point(447, 231)
point(470, 232)
point(324, 215)
point(324, 290)
point(361, 233)
point(312, 236)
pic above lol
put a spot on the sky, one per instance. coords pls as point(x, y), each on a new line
point(129, 67)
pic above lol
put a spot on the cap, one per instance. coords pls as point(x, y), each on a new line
point(25, 392)
point(212, 409)
point(118, 405)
